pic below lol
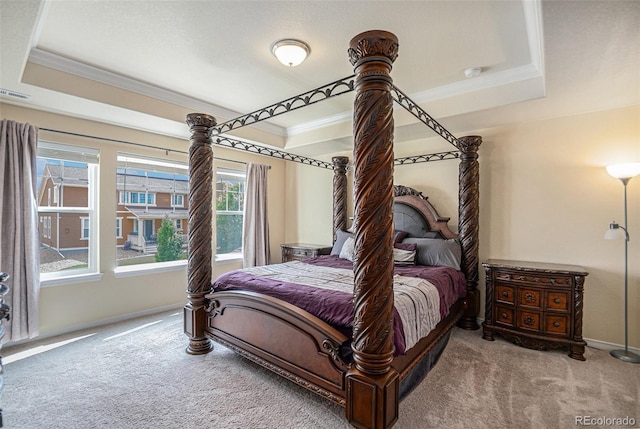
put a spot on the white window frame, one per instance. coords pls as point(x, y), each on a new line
point(142, 162)
point(175, 198)
point(90, 156)
point(230, 256)
point(119, 227)
point(85, 220)
point(46, 226)
point(125, 198)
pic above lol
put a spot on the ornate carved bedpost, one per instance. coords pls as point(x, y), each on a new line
point(468, 224)
point(372, 384)
point(199, 270)
point(339, 193)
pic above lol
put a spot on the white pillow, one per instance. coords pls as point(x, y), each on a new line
point(348, 249)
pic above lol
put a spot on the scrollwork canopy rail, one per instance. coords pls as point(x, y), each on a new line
point(325, 92)
point(330, 90)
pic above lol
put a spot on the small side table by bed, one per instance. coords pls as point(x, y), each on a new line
point(535, 305)
point(297, 251)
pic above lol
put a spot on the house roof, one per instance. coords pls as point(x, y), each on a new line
point(69, 176)
point(151, 184)
point(77, 176)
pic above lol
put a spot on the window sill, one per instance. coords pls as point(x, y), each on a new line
point(78, 278)
point(228, 258)
point(159, 267)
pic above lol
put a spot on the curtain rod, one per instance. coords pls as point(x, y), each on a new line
point(134, 144)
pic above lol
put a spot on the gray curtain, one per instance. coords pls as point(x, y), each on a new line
point(255, 234)
point(19, 240)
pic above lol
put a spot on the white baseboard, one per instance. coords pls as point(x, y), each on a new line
point(596, 344)
point(96, 324)
point(603, 345)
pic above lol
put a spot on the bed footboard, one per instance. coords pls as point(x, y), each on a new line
point(280, 337)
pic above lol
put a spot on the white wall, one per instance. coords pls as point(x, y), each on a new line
point(309, 202)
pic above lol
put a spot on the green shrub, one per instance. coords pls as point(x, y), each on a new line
point(169, 243)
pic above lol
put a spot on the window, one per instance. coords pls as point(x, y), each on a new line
point(150, 191)
point(118, 227)
point(177, 200)
point(46, 226)
point(230, 186)
point(84, 228)
point(137, 198)
point(67, 180)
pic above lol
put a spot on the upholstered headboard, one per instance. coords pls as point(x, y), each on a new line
point(414, 214)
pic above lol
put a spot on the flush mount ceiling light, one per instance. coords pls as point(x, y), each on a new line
point(290, 52)
point(472, 72)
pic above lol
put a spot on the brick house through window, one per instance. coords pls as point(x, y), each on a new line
point(143, 202)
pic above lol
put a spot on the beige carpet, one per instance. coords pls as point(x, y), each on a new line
point(137, 375)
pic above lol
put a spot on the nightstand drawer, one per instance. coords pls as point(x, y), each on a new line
point(534, 279)
point(528, 297)
point(557, 325)
point(504, 315)
point(505, 294)
point(297, 251)
point(558, 301)
point(529, 320)
point(300, 253)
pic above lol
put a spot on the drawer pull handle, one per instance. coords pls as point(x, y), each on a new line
point(557, 300)
point(503, 315)
point(528, 320)
point(529, 297)
point(505, 293)
point(556, 324)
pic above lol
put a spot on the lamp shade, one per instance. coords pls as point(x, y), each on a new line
point(615, 234)
point(290, 52)
point(625, 170)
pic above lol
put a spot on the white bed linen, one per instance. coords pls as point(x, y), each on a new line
point(416, 300)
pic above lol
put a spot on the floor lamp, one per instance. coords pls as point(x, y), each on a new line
point(624, 172)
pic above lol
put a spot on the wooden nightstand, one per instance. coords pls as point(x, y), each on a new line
point(535, 305)
point(297, 251)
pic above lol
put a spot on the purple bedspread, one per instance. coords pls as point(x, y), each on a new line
point(335, 307)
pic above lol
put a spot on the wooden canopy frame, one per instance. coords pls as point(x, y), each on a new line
point(368, 387)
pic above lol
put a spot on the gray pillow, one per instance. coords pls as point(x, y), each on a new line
point(341, 237)
point(437, 252)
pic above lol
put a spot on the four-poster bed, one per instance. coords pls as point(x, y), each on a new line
point(368, 380)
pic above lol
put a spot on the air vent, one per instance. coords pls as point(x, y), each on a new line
point(14, 94)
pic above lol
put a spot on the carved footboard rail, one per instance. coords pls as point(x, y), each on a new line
point(281, 337)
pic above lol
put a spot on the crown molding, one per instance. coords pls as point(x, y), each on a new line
point(532, 10)
point(535, 32)
point(76, 68)
point(338, 118)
